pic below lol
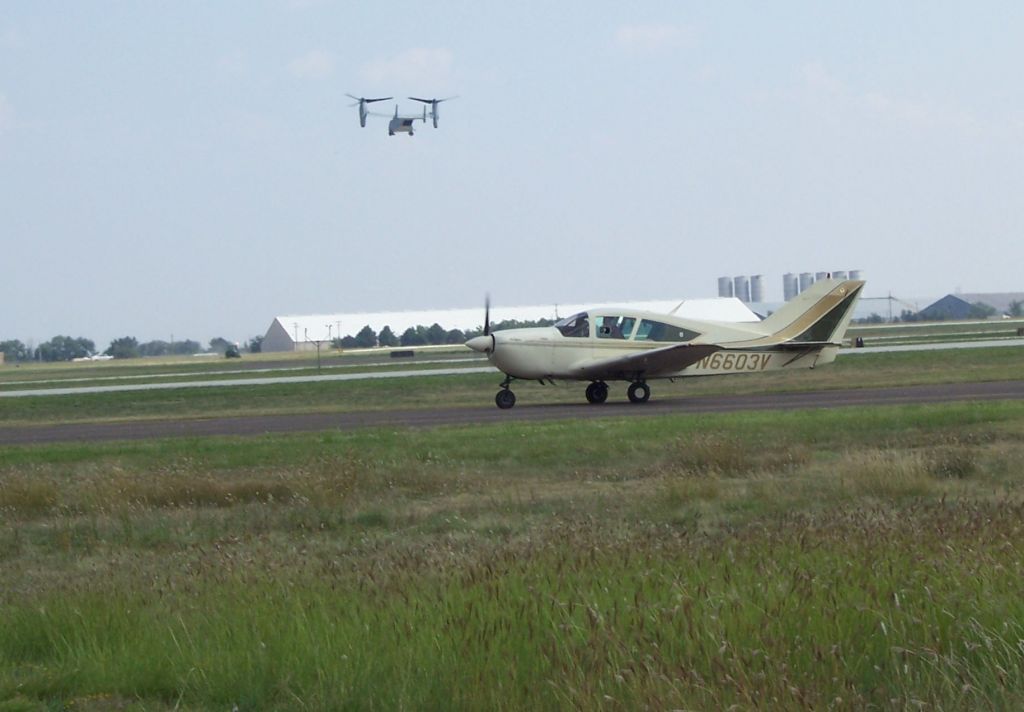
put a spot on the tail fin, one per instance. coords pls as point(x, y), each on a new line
point(820, 315)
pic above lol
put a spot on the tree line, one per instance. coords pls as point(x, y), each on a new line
point(433, 335)
point(67, 348)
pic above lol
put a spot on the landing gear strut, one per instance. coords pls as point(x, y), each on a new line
point(639, 392)
point(597, 392)
point(505, 398)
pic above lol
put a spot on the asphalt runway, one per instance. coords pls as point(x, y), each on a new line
point(488, 414)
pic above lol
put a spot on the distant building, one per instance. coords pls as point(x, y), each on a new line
point(962, 306)
point(301, 332)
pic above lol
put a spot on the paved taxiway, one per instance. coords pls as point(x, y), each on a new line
point(215, 383)
point(487, 414)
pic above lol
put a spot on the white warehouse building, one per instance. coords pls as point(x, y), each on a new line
point(301, 332)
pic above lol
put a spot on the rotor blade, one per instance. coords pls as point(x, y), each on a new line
point(431, 100)
point(351, 97)
point(487, 315)
point(383, 98)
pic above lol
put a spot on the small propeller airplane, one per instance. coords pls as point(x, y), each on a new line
point(612, 344)
point(398, 124)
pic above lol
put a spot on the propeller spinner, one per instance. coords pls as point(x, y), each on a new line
point(484, 343)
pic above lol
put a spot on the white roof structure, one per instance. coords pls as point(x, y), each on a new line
point(294, 332)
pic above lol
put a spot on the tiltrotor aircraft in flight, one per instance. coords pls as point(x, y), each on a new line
point(398, 124)
point(610, 344)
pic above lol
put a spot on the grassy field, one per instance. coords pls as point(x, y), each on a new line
point(830, 559)
point(168, 368)
point(862, 370)
point(939, 331)
point(250, 374)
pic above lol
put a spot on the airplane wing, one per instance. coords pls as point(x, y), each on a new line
point(803, 345)
point(647, 364)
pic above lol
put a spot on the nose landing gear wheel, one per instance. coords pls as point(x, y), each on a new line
point(505, 399)
point(638, 392)
point(597, 392)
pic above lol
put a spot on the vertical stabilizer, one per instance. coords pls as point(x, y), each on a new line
point(819, 315)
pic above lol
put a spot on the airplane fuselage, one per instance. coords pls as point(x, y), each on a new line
point(546, 354)
point(401, 124)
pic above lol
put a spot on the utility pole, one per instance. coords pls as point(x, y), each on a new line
point(317, 343)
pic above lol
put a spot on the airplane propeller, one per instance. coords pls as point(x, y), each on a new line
point(361, 102)
point(433, 105)
point(364, 99)
point(485, 342)
point(487, 315)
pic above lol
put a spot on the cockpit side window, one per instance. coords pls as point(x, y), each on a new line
point(577, 325)
point(657, 331)
point(615, 327)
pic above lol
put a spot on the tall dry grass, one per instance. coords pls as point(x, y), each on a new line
point(832, 560)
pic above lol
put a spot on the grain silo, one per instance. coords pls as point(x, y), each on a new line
point(741, 288)
point(806, 280)
point(790, 286)
point(757, 288)
point(725, 287)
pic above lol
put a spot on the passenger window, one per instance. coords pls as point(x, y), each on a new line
point(615, 327)
point(658, 331)
point(577, 325)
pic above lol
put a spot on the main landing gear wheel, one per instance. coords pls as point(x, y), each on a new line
point(597, 392)
point(638, 392)
point(505, 399)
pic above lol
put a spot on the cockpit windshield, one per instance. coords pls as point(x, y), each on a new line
point(577, 325)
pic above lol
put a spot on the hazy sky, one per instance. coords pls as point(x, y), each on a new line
point(193, 168)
